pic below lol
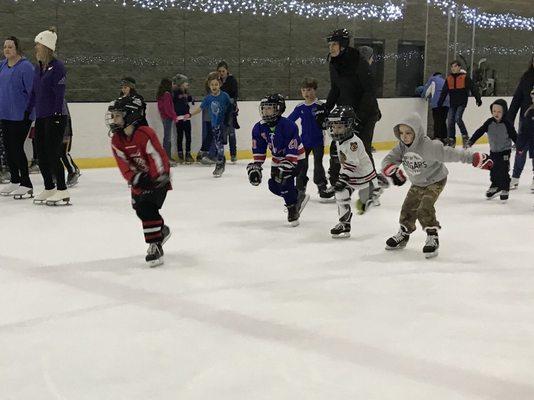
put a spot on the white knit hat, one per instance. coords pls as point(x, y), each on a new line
point(47, 38)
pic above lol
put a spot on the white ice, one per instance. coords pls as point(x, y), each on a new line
point(246, 307)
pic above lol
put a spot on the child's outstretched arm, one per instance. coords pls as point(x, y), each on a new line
point(479, 132)
point(390, 166)
point(436, 151)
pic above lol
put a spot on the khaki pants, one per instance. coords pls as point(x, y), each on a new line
point(419, 205)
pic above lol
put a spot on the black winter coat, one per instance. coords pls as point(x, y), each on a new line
point(352, 83)
point(522, 99)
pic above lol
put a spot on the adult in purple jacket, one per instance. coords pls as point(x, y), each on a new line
point(16, 76)
point(48, 100)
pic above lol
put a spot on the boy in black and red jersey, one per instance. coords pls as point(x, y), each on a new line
point(145, 165)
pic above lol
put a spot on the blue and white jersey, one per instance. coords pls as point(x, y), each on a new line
point(312, 134)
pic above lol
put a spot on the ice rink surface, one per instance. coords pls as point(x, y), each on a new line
point(247, 308)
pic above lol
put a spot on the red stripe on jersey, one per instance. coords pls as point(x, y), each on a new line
point(149, 224)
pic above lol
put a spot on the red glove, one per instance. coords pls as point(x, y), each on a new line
point(482, 161)
point(396, 174)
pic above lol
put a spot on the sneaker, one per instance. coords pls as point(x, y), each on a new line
point(492, 192)
point(504, 195)
point(218, 171)
point(154, 255)
point(72, 179)
point(189, 159)
point(399, 240)
point(514, 183)
point(233, 158)
point(341, 230)
point(431, 246)
point(9, 189)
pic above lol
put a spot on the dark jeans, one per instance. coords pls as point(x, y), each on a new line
point(231, 139)
point(218, 136)
point(66, 158)
point(319, 176)
point(525, 145)
point(147, 206)
point(455, 118)
point(167, 136)
point(49, 133)
point(183, 128)
point(15, 133)
point(207, 140)
point(500, 173)
point(366, 133)
point(439, 115)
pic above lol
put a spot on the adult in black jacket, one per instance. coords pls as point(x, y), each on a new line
point(230, 86)
point(520, 103)
point(352, 84)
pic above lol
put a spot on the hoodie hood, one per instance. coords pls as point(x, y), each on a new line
point(413, 121)
point(503, 104)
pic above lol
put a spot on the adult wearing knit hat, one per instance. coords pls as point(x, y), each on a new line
point(366, 53)
point(179, 79)
point(48, 101)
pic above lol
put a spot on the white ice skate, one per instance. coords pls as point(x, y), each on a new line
point(9, 189)
point(43, 196)
point(23, 192)
point(60, 198)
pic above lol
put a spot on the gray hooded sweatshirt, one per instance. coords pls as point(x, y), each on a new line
point(423, 159)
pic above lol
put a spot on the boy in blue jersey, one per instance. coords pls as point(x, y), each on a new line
point(281, 136)
point(312, 140)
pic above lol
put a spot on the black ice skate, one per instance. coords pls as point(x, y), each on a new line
point(492, 192)
point(166, 233)
point(22, 192)
point(432, 243)
point(72, 178)
point(154, 255)
point(382, 181)
point(504, 195)
point(293, 214)
point(326, 194)
point(341, 230)
point(399, 240)
point(218, 171)
point(189, 159)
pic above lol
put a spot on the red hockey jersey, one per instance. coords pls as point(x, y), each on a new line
point(141, 152)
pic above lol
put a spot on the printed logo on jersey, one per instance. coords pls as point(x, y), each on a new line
point(293, 144)
point(413, 163)
point(215, 107)
point(354, 146)
point(254, 143)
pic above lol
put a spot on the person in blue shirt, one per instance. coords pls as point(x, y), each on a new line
point(281, 136)
point(312, 139)
point(16, 80)
point(218, 104)
point(432, 90)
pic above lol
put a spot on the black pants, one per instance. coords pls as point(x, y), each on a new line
point(319, 176)
point(147, 206)
point(15, 133)
point(500, 173)
point(49, 133)
point(439, 115)
point(66, 158)
point(183, 127)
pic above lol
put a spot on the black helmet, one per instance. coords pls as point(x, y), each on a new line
point(345, 116)
point(342, 36)
point(278, 104)
point(131, 109)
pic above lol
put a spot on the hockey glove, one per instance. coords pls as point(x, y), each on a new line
point(342, 183)
point(142, 181)
point(286, 171)
point(320, 115)
point(162, 181)
point(396, 174)
point(254, 173)
point(479, 103)
point(482, 161)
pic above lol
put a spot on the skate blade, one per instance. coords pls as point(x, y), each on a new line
point(493, 195)
point(294, 223)
point(23, 196)
point(395, 248)
point(39, 202)
point(217, 176)
point(155, 263)
point(325, 200)
point(304, 202)
point(342, 235)
point(166, 238)
point(63, 202)
point(5, 194)
point(431, 255)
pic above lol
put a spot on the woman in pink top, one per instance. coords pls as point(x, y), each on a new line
point(167, 113)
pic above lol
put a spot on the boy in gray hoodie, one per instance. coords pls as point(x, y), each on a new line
point(501, 134)
point(423, 159)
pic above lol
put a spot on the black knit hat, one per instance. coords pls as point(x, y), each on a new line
point(128, 81)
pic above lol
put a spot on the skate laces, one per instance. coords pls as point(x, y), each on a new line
point(431, 240)
point(153, 249)
point(400, 236)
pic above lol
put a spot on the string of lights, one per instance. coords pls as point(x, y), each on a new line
point(387, 12)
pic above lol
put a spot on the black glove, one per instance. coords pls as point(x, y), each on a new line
point(286, 171)
point(56, 118)
point(479, 103)
point(162, 181)
point(143, 181)
point(320, 115)
point(254, 173)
